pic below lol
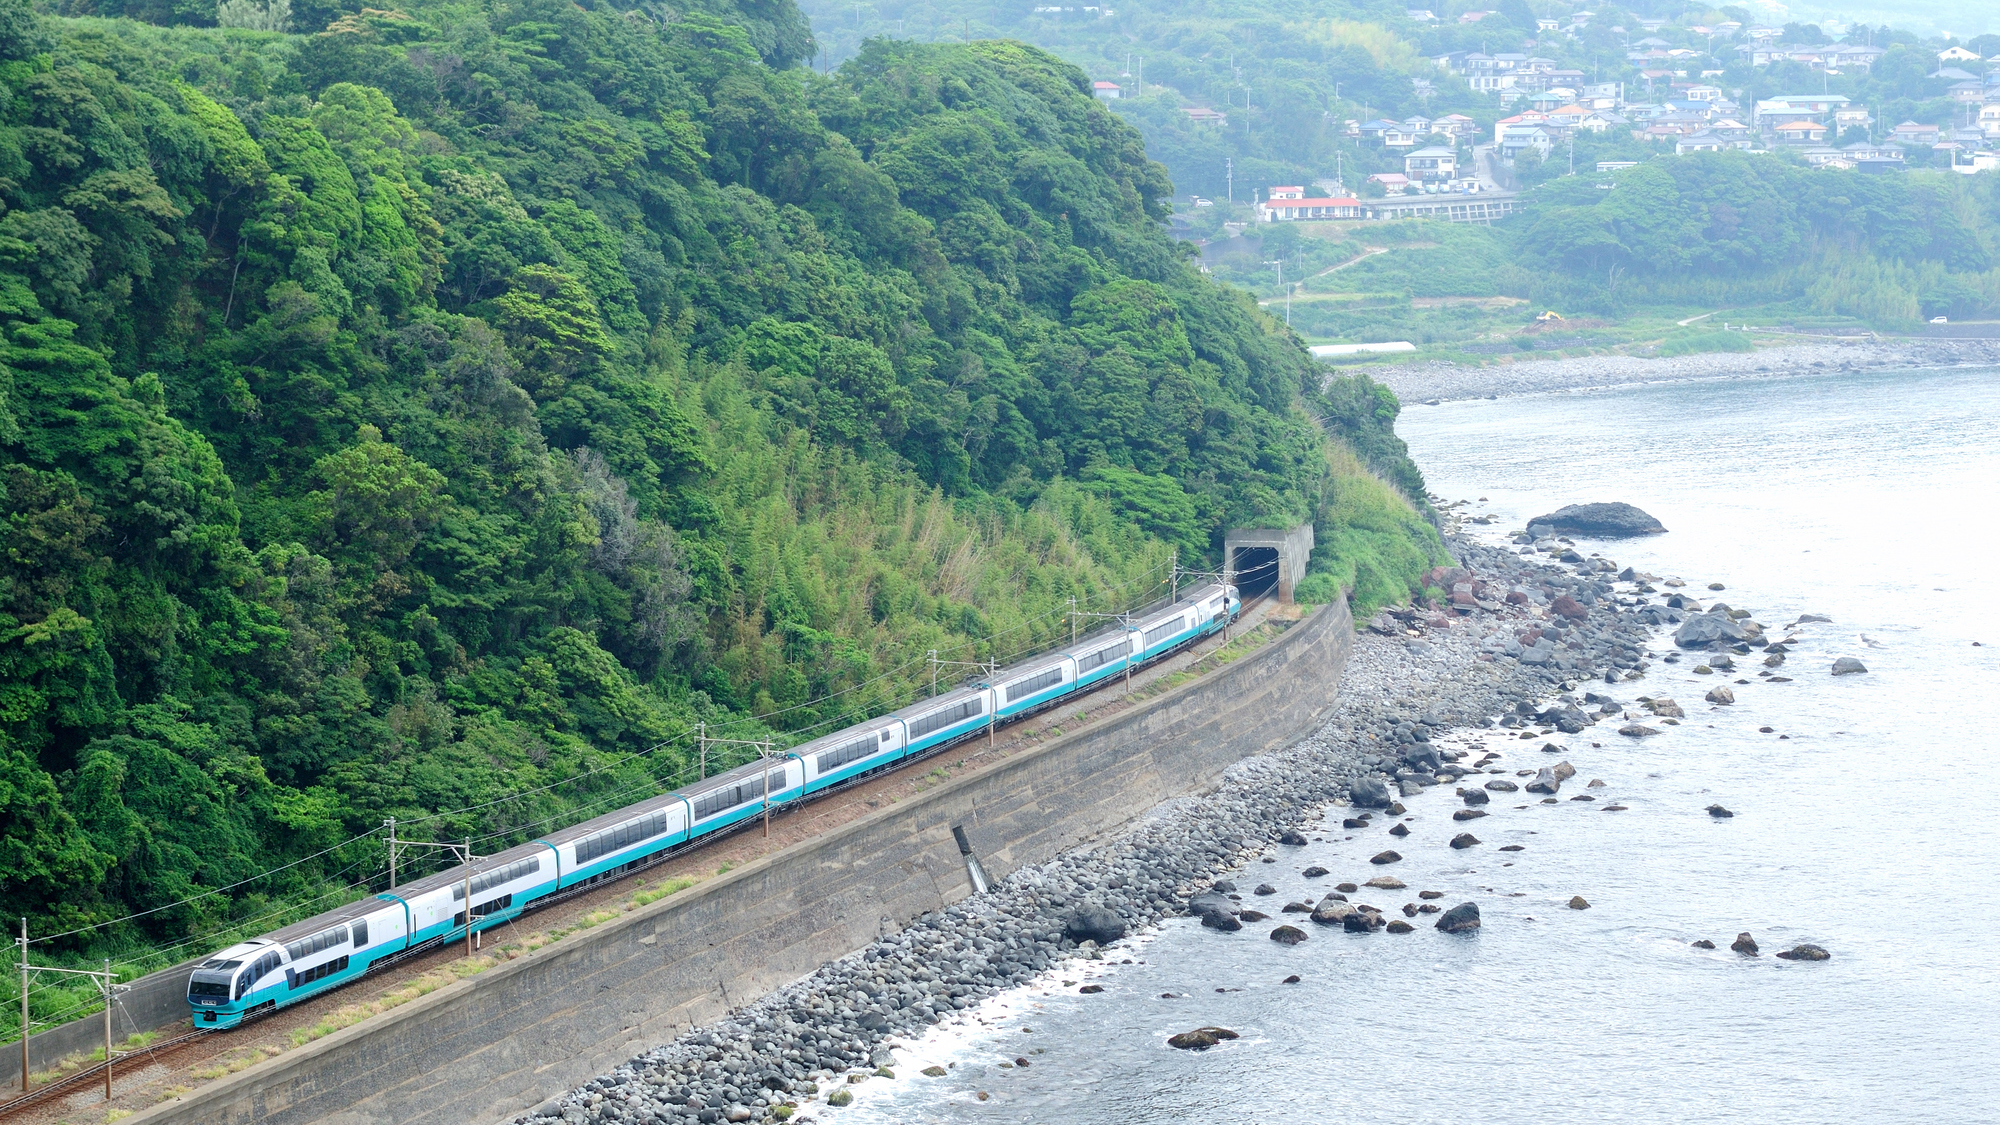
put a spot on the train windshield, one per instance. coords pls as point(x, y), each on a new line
point(199, 987)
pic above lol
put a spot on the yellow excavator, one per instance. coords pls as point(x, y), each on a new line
point(1548, 317)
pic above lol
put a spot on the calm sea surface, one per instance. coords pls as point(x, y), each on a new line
point(1873, 829)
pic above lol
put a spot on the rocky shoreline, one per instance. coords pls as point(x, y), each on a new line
point(1517, 631)
point(1439, 382)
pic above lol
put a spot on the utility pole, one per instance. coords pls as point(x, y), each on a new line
point(1229, 170)
point(1072, 619)
point(22, 941)
point(468, 896)
point(701, 749)
point(390, 824)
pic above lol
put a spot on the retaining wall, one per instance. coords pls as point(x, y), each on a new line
point(494, 1045)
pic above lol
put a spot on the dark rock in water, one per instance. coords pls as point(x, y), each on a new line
point(1265, 889)
point(1333, 913)
point(1635, 730)
point(1468, 814)
point(1091, 989)
point(1464, 840)
point(1220, 920)
point(1744, 944)
point(1718, 812)
point(1410, 909)
point(1288, 935)
point(1705, 630)
point(1805, 953)
point(1361, 922)
point(1720, 695)
point(1501, 785)
point(1385, 857)
point(1200, 1039)
point(1094, 923)
point(1368, 793)
point(1386, 883)
point(1345, 888)
point(1475, 797)
point(1513, 848)
point(1848, 666)
point(1293, 979)
point(1223, 886)
point(1598, 521)
point(1401, 927)
point(1545, 781)
point(1704, 943)
point(1253, 916)
point(1428, 895)
point(1353, 822)
point(1209, 901)
point(1293, 838)
point(1812, 618)
point(1296, 908)
point(1577, 902)
point(1314, 872)
point(1459, 919)
point(1400, 830)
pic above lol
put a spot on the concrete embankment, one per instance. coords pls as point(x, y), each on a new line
point(499, 1043)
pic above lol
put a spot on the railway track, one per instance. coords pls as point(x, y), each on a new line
point(82, 1078)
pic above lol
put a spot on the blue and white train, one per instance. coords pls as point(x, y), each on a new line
point(309, 957)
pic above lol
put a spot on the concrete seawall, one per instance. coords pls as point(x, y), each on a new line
point(492, 1046)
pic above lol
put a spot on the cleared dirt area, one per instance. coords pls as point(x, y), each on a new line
point(207, 1058)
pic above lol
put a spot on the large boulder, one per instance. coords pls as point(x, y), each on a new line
point(1094, 923)
point(1368, 793)
point(1597, 521)
point(1848, 666)
point(1545, 781)
point(1220, 920)
point(1209, 901)
point(1460, 919)
point(1707, 630)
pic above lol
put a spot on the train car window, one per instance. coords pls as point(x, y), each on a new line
point(1099, 658)
point(621, 836)
point(886, 736)
point(1022, 688)
point(708, 804)
point(360, 933)
point(1162, 631)
point(947, 716)
point(841, 755)
point(325, 939)
point(317, 972)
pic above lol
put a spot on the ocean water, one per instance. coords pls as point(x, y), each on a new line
point(1865, 822)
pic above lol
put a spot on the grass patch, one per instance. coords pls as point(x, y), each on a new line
point(1693, 343)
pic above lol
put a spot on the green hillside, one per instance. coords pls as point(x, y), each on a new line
point(450, 408)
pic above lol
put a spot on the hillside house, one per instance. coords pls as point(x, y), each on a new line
point(1989, 121)
point(1456, 125)
point(1433, 163)
point(1956, 53)
point(1295, 209)
point(1800, 133)
point(1202, 115)
point(1914, 133)
point(1108, 91)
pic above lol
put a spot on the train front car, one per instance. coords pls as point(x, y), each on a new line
point(220, 989)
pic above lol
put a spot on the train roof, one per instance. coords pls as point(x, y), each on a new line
point(844, 735)
point(359, 908)
point(925, 706)
point(613, 818)
point(454, 874)
point(1095, 639)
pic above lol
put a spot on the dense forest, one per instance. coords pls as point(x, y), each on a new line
point(437, 412)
